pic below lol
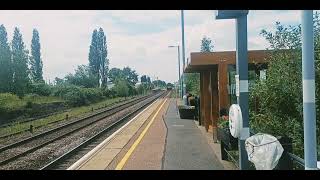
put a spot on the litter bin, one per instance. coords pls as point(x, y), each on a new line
point(264, 151)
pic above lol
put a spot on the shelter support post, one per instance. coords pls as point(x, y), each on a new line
point(214, 101)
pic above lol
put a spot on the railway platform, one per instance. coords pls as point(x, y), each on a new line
point(155, 139)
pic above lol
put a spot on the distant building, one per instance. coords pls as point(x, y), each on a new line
point(110, 84)
point(137, 84)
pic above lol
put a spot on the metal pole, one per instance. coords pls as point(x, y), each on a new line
point(179, 71)
point(183, 53)
point(308, 84)
point(242, 71)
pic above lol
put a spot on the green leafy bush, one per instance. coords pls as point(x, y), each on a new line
point(77, 96)
point(279, 97)
point(41, 89)
point(121, 88)
point(10, 103)
point(29, 104)
point(223, 123)
point(10, 106)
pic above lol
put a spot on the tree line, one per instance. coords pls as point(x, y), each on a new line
point(18, 69)
point(21, 72)
point(96, 74)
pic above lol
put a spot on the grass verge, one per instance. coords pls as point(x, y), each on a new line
point(75, 112)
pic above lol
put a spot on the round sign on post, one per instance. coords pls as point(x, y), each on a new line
point(235, 120)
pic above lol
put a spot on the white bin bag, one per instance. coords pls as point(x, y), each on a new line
point(264, 151)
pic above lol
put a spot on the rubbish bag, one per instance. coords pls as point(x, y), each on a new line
point(264, 151)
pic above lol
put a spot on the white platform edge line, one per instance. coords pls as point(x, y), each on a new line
point(97, 148)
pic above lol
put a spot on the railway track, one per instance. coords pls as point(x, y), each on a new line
point(103, 112)
point(33, 152)
point(67, 159)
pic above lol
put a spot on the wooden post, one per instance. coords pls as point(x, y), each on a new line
point(223, 85)
point(201, 115)
point(31, 129)
point(207, 99)
point(214, 101)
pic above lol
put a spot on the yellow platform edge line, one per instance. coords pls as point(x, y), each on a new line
point(136, 143)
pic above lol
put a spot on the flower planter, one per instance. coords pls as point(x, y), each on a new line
point(225, 136)
point(186, 112)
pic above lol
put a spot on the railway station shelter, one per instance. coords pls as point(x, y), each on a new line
point(217, 81)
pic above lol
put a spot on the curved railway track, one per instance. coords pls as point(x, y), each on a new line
point(33, 152)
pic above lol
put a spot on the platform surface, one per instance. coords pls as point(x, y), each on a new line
point(156, 140)
point(186, 148)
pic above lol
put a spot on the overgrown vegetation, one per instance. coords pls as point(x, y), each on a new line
point(279, 97)
point(72, 113)
point(11, 106)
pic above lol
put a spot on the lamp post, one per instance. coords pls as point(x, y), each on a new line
point(183, 54)
point(242, 72)
point(178, 67)
point(308, 79)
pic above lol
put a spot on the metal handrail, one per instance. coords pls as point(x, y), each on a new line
point(297, 159)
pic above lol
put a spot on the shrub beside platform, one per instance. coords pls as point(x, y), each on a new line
point(229, 141)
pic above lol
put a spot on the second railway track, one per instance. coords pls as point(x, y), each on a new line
point(34, 152)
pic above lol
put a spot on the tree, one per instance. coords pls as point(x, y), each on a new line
point(148, 80)
point(35, 60)
point(193, 79)
point(94, 62)
point(98, 61)
point(141, 89)
point(145, 84)
point(127, 74)
point(5, 62)
point(193, 83)
point(130, 75)
point(59, 81)
point(121, 88)
point(104, 61)
point(143, 79)
point(280, 95)
point(20, 64)
point(206, 44)
point(82, 77)
point(285, 37)
point(114, 74)
point(159, 83)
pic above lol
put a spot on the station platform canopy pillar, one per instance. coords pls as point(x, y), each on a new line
point(206, 91)
point(214, 100)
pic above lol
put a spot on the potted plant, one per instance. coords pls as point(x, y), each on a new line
point(224, 134)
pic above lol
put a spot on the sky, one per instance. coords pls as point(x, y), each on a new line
point(135, 38)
